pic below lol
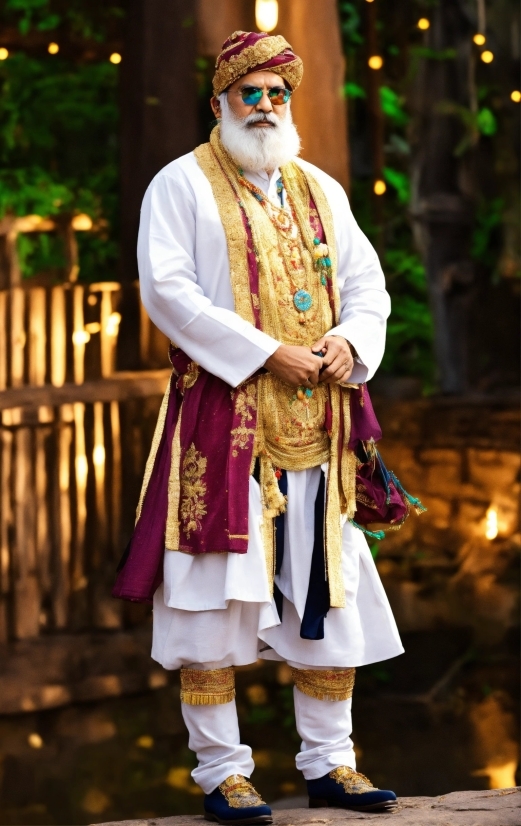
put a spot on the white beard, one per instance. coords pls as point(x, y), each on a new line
point(259, 148)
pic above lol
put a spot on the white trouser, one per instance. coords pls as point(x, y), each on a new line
point(324, 726)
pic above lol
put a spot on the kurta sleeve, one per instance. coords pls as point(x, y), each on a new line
point(215, 337)
point(365, 303)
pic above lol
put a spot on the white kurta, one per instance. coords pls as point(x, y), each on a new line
point(216, 608)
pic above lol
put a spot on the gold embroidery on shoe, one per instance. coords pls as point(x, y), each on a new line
point(352, 781)
point(193, 490)
point(239, 792)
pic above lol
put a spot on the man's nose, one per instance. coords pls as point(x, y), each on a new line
point(264, 104)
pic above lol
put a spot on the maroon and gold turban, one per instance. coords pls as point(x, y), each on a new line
point(245, 52)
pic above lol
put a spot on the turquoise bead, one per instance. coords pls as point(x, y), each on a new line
point(323, 281)
point(302, 301)
point(308, 392)
point(328, 262)
point(316, 241)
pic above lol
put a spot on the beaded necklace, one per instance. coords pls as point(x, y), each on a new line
point(285, 222)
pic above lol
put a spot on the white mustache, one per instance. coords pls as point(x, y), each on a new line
point(262, 117)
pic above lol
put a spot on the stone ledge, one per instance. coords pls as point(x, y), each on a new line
point(498, 807)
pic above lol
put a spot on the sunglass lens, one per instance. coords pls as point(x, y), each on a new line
point(279, 96)
point(251, 95)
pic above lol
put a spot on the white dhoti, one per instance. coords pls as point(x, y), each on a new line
point(215, 610)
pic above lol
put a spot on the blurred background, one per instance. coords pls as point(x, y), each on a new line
point(414, 107)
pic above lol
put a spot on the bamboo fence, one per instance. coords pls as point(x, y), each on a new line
point(74, 434)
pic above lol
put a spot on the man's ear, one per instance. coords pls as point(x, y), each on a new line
point(215, 103)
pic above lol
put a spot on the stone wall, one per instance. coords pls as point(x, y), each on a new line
point(460, 458)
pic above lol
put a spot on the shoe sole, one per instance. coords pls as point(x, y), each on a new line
point(386, 805)
point(239, 821)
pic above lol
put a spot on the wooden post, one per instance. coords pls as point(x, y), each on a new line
point(3, 339)
point(13, 262)
point(26, 590)
point(79, 336)
point(18, 336)
point(99, 461)
point(58, 337)
point(6, 522)
point(81, 471)
point(37, 336)
point(62, 527)
point(158, 71)
point(42, 500)
point(116, 478)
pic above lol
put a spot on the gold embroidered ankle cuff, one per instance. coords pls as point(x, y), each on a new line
point(207, 688)
point(325, 685)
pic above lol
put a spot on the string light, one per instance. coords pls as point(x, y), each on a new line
point(4, 53)
point(375, 62)
point(266, 14)
point(53, 48)
point(487, 56)
point(424, 24)
point(491, 523)
point(115, 57)
point(82, 222)
point(516, 96)
point(379, 187)
point(35, 741)
point(479, 39)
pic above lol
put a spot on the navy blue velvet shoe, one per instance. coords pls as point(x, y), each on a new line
point(236, 802)
point(344, 788)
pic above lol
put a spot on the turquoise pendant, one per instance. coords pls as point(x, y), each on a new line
point(302, 301)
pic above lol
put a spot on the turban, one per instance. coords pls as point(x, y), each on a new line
point(245, 52)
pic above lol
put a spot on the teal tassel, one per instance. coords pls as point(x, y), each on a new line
point(372, 534)
point(417, 505)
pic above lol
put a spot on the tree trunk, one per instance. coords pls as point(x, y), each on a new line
point(159, 120)
point(442, 198)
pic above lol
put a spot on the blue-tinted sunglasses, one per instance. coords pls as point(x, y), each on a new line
point(278, 95)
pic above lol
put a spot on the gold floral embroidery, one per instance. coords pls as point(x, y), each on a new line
point(245, 405)
point(191, 376)
point(193, 490)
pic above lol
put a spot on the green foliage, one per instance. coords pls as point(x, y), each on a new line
point(489, 215)
point(350, 26)
point(410, 328)
point(353, 90)
point(433, 54)
point(392, 106)
point(89, 20)
point(58, 152)
point(400, 183)
point(487, 123)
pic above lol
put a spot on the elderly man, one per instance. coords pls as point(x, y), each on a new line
point(252, 264)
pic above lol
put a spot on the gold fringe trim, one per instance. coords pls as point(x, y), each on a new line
point(325, 685)
point(348, 461)
point(333, 524)
point(174, 490)
point(207, 688)
point(158, 432)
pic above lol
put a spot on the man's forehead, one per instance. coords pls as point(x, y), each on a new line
point(261, 79)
